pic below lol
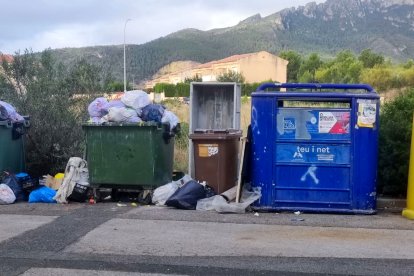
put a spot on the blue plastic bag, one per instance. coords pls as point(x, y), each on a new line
point(152, 112)
point(43, 194)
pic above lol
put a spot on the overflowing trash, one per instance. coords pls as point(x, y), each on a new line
point(10, 180)
point(163, 193)
point(72, 185)
point(186, 197)
point(221, 205)
point(9, 113)
point(134, 107)
point(42, 195)
point(6, 195)
point(75, 176)
point(189, 194)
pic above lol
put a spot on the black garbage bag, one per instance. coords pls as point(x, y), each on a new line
point(10, 180)
point(79, 193)
point(187, 196)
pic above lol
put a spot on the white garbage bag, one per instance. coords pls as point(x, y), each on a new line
point(73, 173)
point(163, 193)
point(6, 195)
point(220, 205)
point(122, 115)
point(136, 99)
point(171, 118)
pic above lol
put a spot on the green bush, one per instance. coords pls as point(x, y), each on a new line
point(394, 144)
point(173, 90)
point(182, 89)
point(56, 99)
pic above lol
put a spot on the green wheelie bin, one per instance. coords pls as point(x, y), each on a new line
point(129, 156)
point(12, 145)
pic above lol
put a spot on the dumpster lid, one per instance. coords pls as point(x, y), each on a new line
point(126, 124)
point(217, 131)
point(216, 134)
point(226, 131)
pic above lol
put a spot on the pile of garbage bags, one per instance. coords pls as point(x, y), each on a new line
point(73, 185)
point(23, 187)
point(9, 113)
point(189, 194)
point(134, 106)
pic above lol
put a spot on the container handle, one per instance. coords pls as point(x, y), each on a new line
point(7, 124)
point(365, 87)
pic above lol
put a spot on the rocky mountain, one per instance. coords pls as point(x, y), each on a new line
point(385, 26)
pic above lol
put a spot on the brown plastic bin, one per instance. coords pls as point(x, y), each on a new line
point(216, 157)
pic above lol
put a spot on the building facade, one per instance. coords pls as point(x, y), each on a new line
point(255, 67)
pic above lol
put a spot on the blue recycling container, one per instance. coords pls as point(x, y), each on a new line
point(315, 147)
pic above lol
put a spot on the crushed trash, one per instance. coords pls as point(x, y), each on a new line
point(162, 193)
point(297, 213)
point(121, 205)
point(256, 214)
point(298, 219)
point(187, 196)
point(220, 204)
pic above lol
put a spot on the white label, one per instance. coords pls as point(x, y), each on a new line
point(326, 121)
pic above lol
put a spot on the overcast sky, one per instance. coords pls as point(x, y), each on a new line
point(40, 24)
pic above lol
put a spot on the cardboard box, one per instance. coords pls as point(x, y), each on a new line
point(53, 183)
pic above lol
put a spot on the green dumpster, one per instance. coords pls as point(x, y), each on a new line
point(12, 148)
point(129, 156)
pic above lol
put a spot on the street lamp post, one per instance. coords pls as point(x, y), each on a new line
point(126, 21)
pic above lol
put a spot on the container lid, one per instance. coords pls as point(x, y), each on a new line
point(218, 131)
point(211, 134)
point(126, 124)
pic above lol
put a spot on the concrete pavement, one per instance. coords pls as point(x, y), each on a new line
point(106, 239)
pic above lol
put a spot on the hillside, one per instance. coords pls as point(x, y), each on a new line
point(385, 26)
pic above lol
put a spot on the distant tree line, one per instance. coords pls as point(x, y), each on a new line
point(367, 67)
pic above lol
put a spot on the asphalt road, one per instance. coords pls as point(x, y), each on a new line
point(107, 239)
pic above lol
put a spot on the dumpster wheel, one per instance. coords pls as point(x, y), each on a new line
point(97, 196)
point(115, 196)
point(145, 197)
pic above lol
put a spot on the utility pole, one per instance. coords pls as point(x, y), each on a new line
point(126, 21)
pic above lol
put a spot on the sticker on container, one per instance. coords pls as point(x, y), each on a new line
point(207, 150)
point(367, 113)
point(333, 122)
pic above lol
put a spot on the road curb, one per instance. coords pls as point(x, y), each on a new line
point(391, 204)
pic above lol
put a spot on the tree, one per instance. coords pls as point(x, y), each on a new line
point(195, 78)
point(311, 65)
point(345, 68)
point(378, 77)
point(369, 59)
point(295, 61)
point(231, 76)
point(49, 94)
point(394, 144)
point(117, 86)
point(85, 77)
